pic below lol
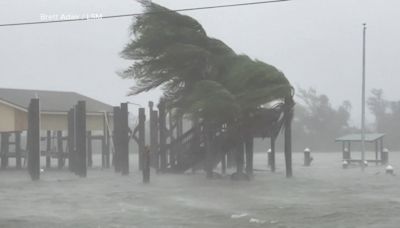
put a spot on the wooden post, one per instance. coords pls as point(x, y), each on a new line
point(80, 138)
point(18, 149)
point(381, 148)
point(349, 148)
point(124, 139)
point(223, 163)
point(141, 136)
point(239, 157)
point(71, 140)
point(60, 150)
point(272, 158)
point(376, 152)
point(155, 158)
point(163, 135)
point(288, 136)
point(208, 133)
point(105, 144)
point(5, 145)
point(146, 165)
point(172, 157)
point(249, 144)
point(89, 149)
point(48, 149)
point(34, 139)
point(116, 139)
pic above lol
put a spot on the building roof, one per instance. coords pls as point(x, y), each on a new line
point(51, 101)
point(357, 137)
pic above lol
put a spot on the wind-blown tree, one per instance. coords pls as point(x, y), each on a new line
point(199, 75)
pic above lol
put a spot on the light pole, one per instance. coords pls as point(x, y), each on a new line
point(363, 100)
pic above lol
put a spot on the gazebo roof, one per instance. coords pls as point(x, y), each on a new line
point(372, 137)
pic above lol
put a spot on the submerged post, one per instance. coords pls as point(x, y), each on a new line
point(18, 149)
point(124, 134)
point(48, 149)
point(80, 138)
point(272, 154)
point(34, 139)
point(163, 135)
point(288, 135)
point(141, 136)
point(116, 139)
point(5, 144)
point(249, 144)
point(146, 165)
point(60, 150)
point(89, 149)
point(71, 140)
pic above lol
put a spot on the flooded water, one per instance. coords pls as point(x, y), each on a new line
point(323, 195)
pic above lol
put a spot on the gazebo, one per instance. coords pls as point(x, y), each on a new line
point(376, 138)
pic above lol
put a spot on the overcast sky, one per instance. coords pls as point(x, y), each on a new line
point(316, 43)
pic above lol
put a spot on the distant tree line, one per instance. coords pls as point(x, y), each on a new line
point(317, 123)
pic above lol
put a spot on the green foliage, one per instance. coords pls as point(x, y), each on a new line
point(197, 72)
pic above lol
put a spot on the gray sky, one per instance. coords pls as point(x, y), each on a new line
point(314, 42)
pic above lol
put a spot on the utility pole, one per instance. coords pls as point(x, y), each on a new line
point(363, 101)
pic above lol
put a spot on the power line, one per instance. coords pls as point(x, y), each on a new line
point(139, 14)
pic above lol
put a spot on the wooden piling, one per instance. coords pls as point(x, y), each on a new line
point(272, 155)
point(71, 140)
point(105, 144)
point(5, 145)
point(34, 139)
point(141, 136)
point(80, 138)
point(155, 158)
point(239, 157)
point(208, 140)
point(146, 165)
point(116, 139)
point(18, 154)
point(288, 136)
point(60, 150)
point(249, 144)
point(163, 135)
point(48, 149)
point(89, 149)
point(124, 134)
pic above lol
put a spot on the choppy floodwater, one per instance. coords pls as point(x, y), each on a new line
point(323, 195)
